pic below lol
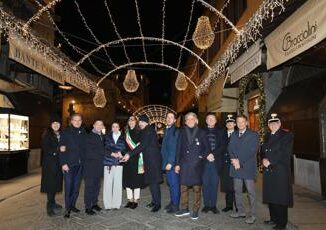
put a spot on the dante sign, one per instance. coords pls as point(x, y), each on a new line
point(303, 29)
point(28, 57)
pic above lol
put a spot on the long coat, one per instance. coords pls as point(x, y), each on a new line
point(131, 178)
point(169, 145)
point(225, 178)
point(51, 180)
point(191, 153)
point(277, 184)
point(245, 149)
point(94, 154)
point(149, 146)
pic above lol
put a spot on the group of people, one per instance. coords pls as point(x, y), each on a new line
point(193, 159)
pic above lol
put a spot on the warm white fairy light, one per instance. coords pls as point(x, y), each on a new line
point(13, 27)
point(144, 63)
point(99, 99)
point(186, 35)
point(204, 36)
point(36, 16)
point(163, 29)
point(115, 28)
point(91, 32)
point(248, 34)
point(130, 83)
point(181, 82)
point(140, 29)
point(142, 38)
point(155, 113)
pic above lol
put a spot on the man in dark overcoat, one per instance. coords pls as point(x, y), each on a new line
point(149, 146)
point(93, 167)
point(243, 148)
point(72, 150)
point(277, 183)
point(192, 149)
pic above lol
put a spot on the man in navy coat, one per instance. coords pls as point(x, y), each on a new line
point(72, 150)
point(93, 167)
point(192, 149)
point(243, 148)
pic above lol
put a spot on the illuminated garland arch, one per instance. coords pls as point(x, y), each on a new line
point(259, 79)
point(141, 38)
point(145, 63)
point(155, 113)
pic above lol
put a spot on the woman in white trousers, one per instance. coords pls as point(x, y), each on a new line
point(115, 146)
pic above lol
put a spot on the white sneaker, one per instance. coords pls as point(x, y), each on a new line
point(250, 220)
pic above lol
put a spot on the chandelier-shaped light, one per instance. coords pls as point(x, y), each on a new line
point(181, 83)
point(203, 36)
point(99, 98)
point(131, 83)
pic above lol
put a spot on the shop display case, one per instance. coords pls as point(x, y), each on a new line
point(14, 144)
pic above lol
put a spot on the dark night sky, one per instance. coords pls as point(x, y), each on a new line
point(124, 15)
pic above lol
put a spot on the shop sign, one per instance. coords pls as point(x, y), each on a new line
point(246, 63)
point(305, 28)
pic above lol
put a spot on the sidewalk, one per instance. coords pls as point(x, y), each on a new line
point(21, 205)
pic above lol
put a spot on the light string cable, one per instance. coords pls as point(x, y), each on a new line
point(186, 35)
point(163, 29)
point(140, 29)
point(116, 29)
point(91, 32)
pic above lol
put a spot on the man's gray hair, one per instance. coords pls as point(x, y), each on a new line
point(191, 114)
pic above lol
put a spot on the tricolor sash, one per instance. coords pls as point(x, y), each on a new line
point(132, 145)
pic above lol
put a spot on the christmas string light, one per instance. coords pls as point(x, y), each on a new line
point(91, 32)
point(144, 63)
point(155, 113)
point(163, 29)
point(116, 29)
point(186, 35)
point(39, 13)
point(248, 34)
point(142, 38)
point(140, 29)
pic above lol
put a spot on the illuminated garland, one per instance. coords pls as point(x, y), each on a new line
point(247, 35)
point(140, 29)
point(261, 101)
point(163, 29)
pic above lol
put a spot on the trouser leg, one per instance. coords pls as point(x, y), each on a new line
point(197, 202)
point(250, 185)
point(238, 183)
point(184, 197)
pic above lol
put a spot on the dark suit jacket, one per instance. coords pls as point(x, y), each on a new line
point(94, 154)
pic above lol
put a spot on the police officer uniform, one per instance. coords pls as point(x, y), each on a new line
point(277, 183)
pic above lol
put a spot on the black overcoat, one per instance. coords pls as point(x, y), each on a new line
point(226, 179)
point(191, 155)
point(277, 182)
point(51, 180)
point(149, 146)
point(94, 155)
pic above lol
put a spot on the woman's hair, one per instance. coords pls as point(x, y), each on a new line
point(49, 131)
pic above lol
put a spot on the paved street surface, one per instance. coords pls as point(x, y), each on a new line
point(23, 207)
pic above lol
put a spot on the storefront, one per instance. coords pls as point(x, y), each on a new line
point(296, 88)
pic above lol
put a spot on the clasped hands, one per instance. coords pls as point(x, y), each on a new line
point(266, 162)
point(236, 163)
point(117, 155)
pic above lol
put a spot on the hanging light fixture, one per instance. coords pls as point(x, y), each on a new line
point(131, 83)
point(99, 98)
point(203, 36)
point(181, 83)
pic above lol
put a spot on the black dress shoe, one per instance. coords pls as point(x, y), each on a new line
point(269, 222)
point(226, 209)
point(90, 212)
point(67, 214)
point(134, 205)
point(205, 209)
point(173, 209)
point(57, 206)
point(156, 208)
point(214, 210)
point(96, 208)
point(74, 209)
point(129, 204)
point(167, 207)
point(150, 205)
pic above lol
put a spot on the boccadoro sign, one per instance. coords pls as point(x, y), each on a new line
point(302, 30)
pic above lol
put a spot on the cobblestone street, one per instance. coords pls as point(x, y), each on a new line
point(26, 210)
